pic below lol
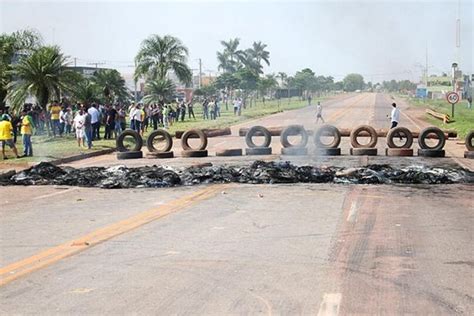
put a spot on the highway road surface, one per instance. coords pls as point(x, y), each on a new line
point(227, 249)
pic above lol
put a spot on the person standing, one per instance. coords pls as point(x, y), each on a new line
point(469, 102)
point(95, 121)
point(6, 129)
point(309, 99)
point(319, 113)
point(68, 120)
point(26, 132)
point(62, 121)
point(191, 109)
point(54, 111)
point(236, 106)
point(183, 111)
point(79, 126)
point(394, 116)
point(166, 113)
point(88, 130)
point(110, 117)
point(205, 109)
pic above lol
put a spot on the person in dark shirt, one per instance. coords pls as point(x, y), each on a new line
point(110, 117)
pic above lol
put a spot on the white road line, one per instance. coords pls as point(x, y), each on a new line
point(330, 304)
point(54, 193)
point(352, 216)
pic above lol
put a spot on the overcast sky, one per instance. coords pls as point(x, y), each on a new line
point(379, 39)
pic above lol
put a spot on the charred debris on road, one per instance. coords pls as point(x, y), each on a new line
point(259, 172)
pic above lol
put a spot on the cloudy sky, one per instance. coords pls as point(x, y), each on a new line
point(379, 39)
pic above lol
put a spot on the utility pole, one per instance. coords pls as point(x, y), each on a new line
point(75, 62)
point(200, 73)
point(135, 81)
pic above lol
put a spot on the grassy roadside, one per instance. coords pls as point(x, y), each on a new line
point(464, 117)
point(47, 148)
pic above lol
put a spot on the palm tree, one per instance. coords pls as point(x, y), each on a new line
point(86, 91)
point(43, 74)
point(251, 63)
point(13, 47)
point(159, 55)
point(158, 90)
point(225, 63)
point(231, 50)
point(111, 83)
point(259, 53)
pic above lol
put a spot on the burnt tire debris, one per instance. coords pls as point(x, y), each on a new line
point(259, 172)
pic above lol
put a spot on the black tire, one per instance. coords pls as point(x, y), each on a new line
point(327, 152)
point(469, 138)
point(399, 152)
point(363, 151)
point(432, 130)
point(160, 155)
point(396, 132)
point(258, 130)
point(196, 132)
point(294, 130)
point(324, 130)
point(258, 151)
point(229, 152)
point(469, 154)
point(294, 151)
point(364, 128)
point(194, 153)
point(129, 132)
point(431, 153)
point(165, 135)
point(121, 155)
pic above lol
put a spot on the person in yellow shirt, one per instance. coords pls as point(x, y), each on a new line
point(26, 132)
point(6, 129)
point(55, 111)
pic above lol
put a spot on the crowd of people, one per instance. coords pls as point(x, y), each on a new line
point(85, 121)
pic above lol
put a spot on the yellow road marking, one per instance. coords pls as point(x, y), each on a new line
point(341, 111)
point(54, 254)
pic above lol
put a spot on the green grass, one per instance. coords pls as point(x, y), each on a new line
point(47, 148)
point(463, 117)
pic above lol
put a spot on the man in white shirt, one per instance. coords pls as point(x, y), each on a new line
point(395, 116)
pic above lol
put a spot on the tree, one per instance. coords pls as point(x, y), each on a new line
point(259, 53)
point(12, 48)
point(160, 55)
point(111, 84)
point(85, 91)
point(158, 90)
point(232, 51)
point(305, 80)
point(353, 82)
point(43, 74)
point(266, 84)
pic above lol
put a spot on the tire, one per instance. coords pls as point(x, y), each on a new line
point(128, 132)
point(331, 130)
point(229, 152)
point(258, 151)
point(294, 151)
point(294, 130)
point(194, 153)
point(431, 153)
point(469, 154)
point(195, 132)
point(394, 132)
point(399, 152)
point(363, 151)
point(363, 128)
point(255, 130)
point(469, 138)
point(431, 130)
point(121, 155)
point(327, 152)
point(152, 136)
point(160, 155)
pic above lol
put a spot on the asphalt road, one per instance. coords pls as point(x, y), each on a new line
point(243, 249)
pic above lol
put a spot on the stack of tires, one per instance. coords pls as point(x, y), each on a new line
point(162, 152)
point(469, 153)
point(189, 151)
point(403, 150)
point(431, 151)
point(290, 149)
point(324, 149)
point(359, 149)
point(253, 149)
point(135, 152)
